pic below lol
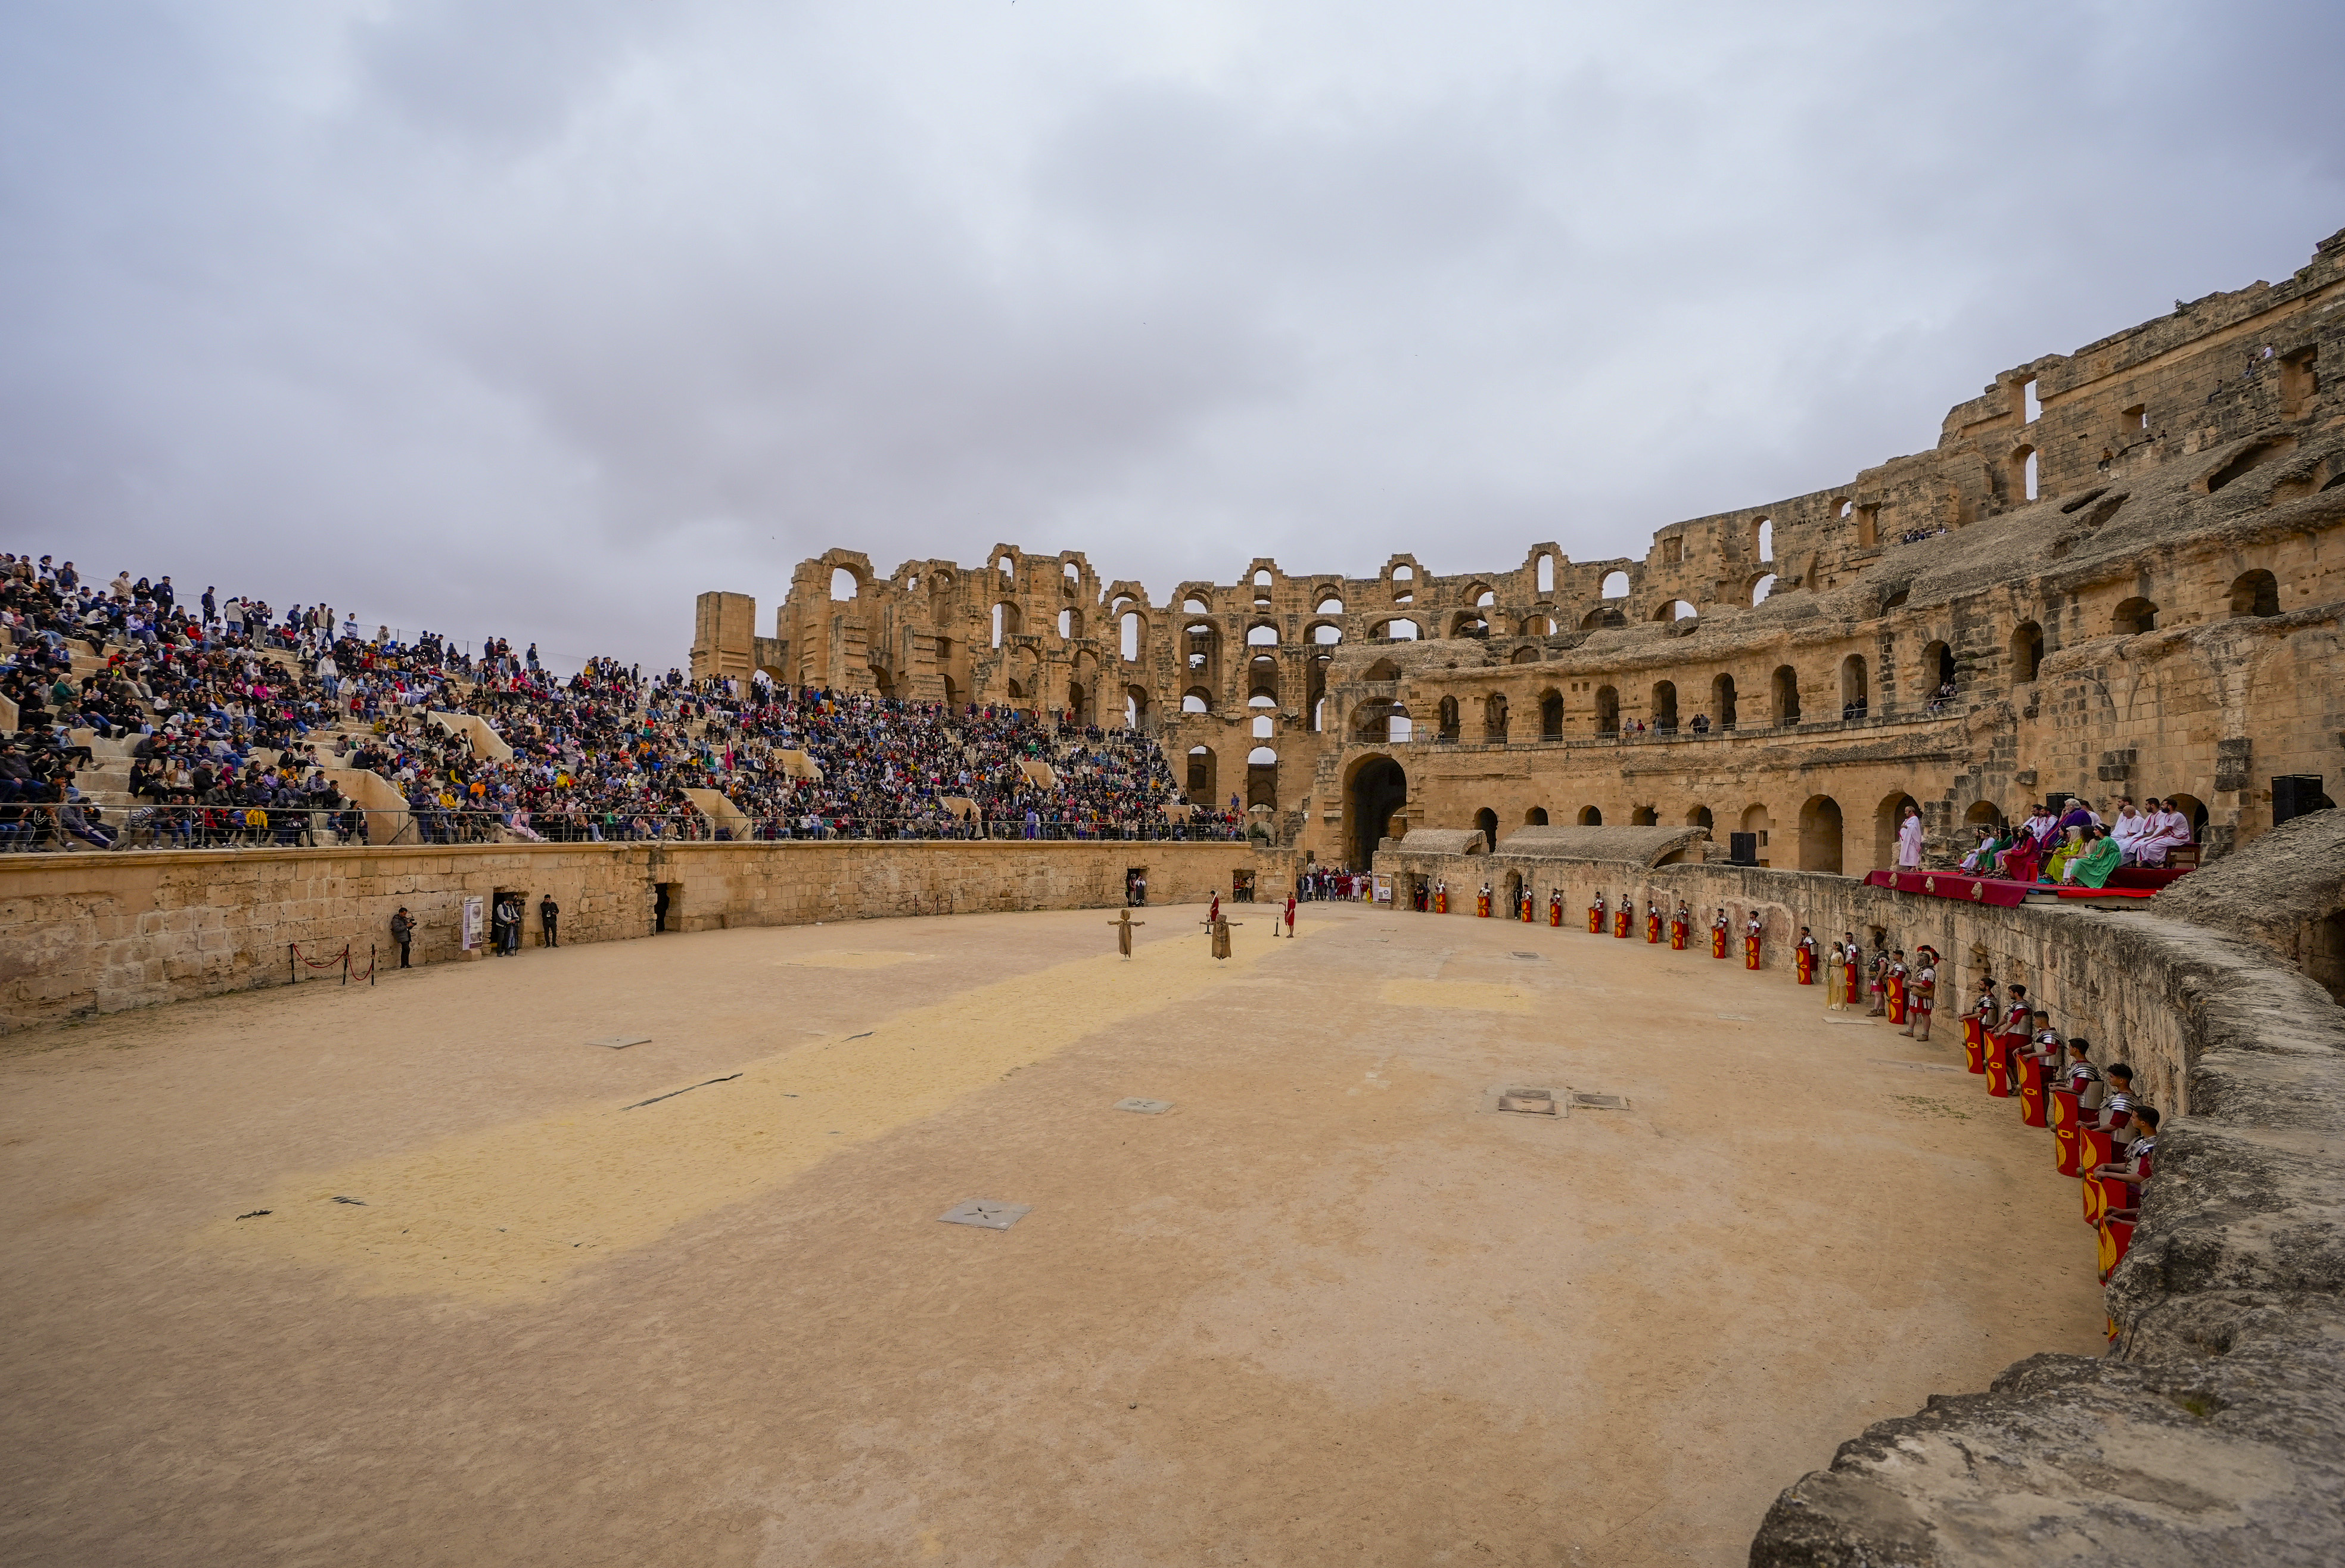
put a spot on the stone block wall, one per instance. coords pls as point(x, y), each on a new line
point(99, 933)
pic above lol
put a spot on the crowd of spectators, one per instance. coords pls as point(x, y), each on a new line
point(234, 720)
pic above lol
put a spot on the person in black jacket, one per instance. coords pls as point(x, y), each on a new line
point(403, 931)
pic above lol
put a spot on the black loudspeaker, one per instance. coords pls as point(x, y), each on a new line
point(1742, 848)
point(2294, 795)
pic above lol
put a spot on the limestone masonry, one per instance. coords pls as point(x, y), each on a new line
point(2120, 559)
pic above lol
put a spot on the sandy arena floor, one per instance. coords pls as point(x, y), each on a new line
point(1328, 1309)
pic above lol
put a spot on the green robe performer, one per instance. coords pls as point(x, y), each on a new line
point(1124, 932)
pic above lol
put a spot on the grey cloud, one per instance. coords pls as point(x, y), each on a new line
point(539, 318)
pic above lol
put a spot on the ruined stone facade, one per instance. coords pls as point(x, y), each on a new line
point(2121, 559)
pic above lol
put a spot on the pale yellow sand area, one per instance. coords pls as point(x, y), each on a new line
point(511, 1210)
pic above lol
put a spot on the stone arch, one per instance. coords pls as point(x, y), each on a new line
point(1523, 656)
point(1138, 712)
point(1200, 651)
point(1535, 817)
point(1494, 718)
point(1885, 818)
point(1643, 816)
point(844, 584)
point(2254, 593)
point(2191, 806)
point(1664, 706)
point(1401, 630)
point(1262, 634)
point(1469, 624)
point(1445, 719)
point(1699, 816)
point(1007, 621)
point(1322, 634)
point(1615, 585)
point(1488, 820)
point(1819, 834)
point(1721, 701)
point(1203, 777)
point(1608, 711)
point(1132, 629)
point(1375, 789)
point(1602, 616)
point(1937, 670)
point(1197, 699)
point(1540, 622)
point(1784, 688)
point(1589, 817)
point(1985, 813)
point(1382, 669)
point(1262, 777)
point(1551, 714)
point(2133, 617)
point(2026, 652)
point(1757, 822)
point(1856, 687)
point(1760, 587)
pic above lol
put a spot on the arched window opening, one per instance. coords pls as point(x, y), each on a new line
point(1700, 817)
point(1488, 820)
point(1855, 693)
point(1130, 627)
point(1819, 834)
point(1009, 567)
point(1000, 615)
point(1494, 718)
point(2256, 592)
point(2023, 472)
point(1072, 574)
point(1319, 715)
point(1469, 624)
point(1551, 715)
point(1401, 630)
point(1265, 726)
point(1066, 624)
point(1546, 574)
point(1615, 586)
point(1192, 606)
point(1540, 624)
point(1329, 606)
point(1404, 584)
point(1591, 817)
point(1886, 819)
point(1376, 790)
point(1603, 615)
point(1326, 635)
point(1985, 813)
point(1644, 816)
point(1382, 669)
point(2026, 652)
point(1262, 579)
point(1938, 676)
point(1445, 719)
point(1483, 600)
point(1763, 538)
point(1787, 694)
point(1608, 711)
point(2133, 617)
point(1759, 824)
point(1262, 635)
point(1523, 656)
point(843, 585)
point(1135, 707)
point(1761, 589)
point(1535, 817)
point(1721, 701)
point(1200, 785)
point(1196, 700)
point(1664, 706)
point(1675, 610)
point(1397, 725)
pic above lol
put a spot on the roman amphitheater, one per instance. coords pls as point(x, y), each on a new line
point(1422, 1236)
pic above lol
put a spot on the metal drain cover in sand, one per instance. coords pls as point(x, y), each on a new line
point(1600, 1102)
point(621, 1042)
point(1530, 1102)
point(986, 1214)
point(1146, 1106)
point(1532, 957)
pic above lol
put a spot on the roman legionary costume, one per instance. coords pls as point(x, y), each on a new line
point(1848, 976)
point(1977, 1023)
point(1441, 897)
point(1653, 924)
point(1751, 943)
point(1529, 907)
point(1624, 916)
point(1876, 983)
point(1681, 927)
point(1596, 916)
point(1482, 902)
point(1718, 929)
point(1554, 907)
point(1803, 958)
point(1919, 997)
point(1896, 987)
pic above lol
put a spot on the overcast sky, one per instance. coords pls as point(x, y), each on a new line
point(539, 316)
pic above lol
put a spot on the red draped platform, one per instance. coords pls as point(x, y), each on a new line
point(1950, 885)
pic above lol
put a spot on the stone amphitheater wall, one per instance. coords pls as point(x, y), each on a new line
point(101, 933)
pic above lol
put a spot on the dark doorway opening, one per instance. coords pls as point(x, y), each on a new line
point(1135, 886)
point(1378, 789)
point(665, 896)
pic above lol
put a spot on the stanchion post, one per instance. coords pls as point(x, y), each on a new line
point(371, 963)
point(293, 956)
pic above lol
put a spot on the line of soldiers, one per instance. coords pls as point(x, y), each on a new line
point(1679, 924)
